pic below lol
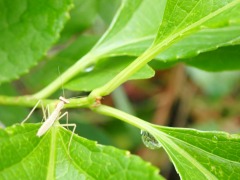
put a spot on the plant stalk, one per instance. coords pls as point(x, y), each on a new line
point(28, 101)
point(125, 74)
point(130, 119)
point(78, 67)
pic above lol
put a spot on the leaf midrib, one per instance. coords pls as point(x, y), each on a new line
point(172, 37)
point(205, 151)
point(52, 154)
point(70, 158)
point(187, 156)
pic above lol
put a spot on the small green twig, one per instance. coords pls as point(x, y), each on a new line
point(79, 102)
point(28, 101)
point(91, 58)
point(122, 76)
point(71, 72)
point(125, 74)
point(137, 122)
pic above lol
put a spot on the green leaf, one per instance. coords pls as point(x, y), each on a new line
point(195, 154)
point(133, 28)
point(199, 154)
point(89, 131)
point(27, 30)
point(194, 15)
point(181, 19)
point(127, 18)
point(104, 71)
point(225, 58)
point(222, 59)
point(189, 28)
point(25, 156)
point(160, 65)
point(201, 41)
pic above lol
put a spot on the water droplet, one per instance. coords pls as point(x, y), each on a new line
point(149, 141)
point(215, 139)
point(89, 68)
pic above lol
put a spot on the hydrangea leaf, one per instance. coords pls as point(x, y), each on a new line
point(26, 156)
point(27, 30)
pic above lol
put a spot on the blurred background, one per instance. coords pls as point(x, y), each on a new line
point(177, 96)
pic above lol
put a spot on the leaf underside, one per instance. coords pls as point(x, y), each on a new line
point(104, 71)
point(191, 28)
point(201, 155)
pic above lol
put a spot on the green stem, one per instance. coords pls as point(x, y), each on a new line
point(130, 119)
point(78, 102)
point(124, 75)
point(78, 67)
point(91, 58)
point(28, 101)
point(109, 111)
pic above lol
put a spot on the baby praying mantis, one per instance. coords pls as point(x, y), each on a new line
point(54, 116)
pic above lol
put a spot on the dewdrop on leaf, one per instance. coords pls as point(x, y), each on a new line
point(149, 141)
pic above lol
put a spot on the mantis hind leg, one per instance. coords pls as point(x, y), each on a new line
point(31, 112)
point(64, 114)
